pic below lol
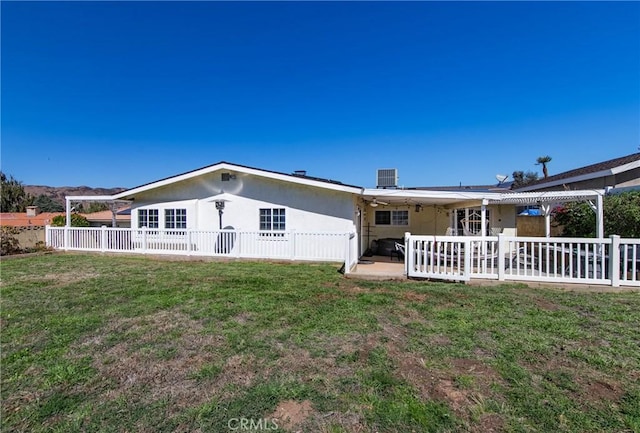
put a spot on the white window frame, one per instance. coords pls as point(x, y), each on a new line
point(393, 218)
point(272, 221)
point(175, 219)
point(146, 220)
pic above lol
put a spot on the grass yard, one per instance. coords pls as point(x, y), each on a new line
point(125, 344)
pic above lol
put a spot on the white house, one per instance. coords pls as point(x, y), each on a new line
point(236, 211)
point(264, 204)
point(236, 197)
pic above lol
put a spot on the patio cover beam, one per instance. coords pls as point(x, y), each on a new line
point(71, 198)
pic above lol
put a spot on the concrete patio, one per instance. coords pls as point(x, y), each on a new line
point(379, 268)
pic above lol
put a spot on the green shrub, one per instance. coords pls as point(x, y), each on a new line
point(77, 220)
point(8, 242)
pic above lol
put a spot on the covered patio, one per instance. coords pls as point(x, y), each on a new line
point(434, 237)
point(386, 214)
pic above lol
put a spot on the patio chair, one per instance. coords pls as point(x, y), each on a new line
point(399, 251)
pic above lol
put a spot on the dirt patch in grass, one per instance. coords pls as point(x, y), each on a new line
point(354, 289)
point(589, 387)
point(159, 358)
point(440, 340)
point(413, 296)
point(300, 365)
point(544, 304)
point(290, 414)
point(238, 370)
point(440, 384)
point(54, 280)
point(243, 318)
point(409, 315)
point(489, 423)
point(600, 391)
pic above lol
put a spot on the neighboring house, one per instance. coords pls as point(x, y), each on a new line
point(28, 227)
point(616, 173)
point(31, 218)
point(105, 218)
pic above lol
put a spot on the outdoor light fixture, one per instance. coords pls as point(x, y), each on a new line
point(418, 207)
point(220, 207)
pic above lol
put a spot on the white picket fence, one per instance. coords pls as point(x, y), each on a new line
point(277, 245)
point(612, 261)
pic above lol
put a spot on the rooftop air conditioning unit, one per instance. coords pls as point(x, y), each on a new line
point(387, 178)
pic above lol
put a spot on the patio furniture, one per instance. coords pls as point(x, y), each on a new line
point(399, 251)
point(451, 232)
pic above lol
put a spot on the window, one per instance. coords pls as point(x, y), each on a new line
point(272, 219)
point(148, 218)
point(392, 217)
point(469, 221)
point(175, 218)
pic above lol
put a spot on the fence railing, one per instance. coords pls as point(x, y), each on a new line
point(287, 245)
point(610, 261)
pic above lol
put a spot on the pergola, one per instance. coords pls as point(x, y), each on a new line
point(105, 198)
point(545, 199)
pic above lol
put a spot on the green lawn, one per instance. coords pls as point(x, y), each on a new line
point(103, 343)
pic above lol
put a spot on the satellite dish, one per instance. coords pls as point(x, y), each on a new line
point(501, 178)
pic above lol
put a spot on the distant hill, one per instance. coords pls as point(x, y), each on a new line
point(58, 193)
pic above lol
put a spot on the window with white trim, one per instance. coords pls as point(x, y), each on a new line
point(392, 217)
point(273, 219)
point(469, 220)
point(175, 218)
point(148, 218)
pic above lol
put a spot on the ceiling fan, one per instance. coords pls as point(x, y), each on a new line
point(375, 202)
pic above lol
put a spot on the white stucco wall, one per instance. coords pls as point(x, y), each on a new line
point(307, 208)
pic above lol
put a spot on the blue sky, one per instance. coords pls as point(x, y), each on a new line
point(123, 93)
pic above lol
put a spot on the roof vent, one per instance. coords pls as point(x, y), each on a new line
point(226, 177)
point(300, 173)
point(387, 178)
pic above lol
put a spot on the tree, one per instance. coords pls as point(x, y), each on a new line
point(544, 160)
point(577, 220)
point(14, 197)
point(520, 178)
point(621, 217)
point(622, 214)
point(94, 207)
point(47, 204)
point(77, 220)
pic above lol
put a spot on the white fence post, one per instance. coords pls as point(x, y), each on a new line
point(188, 242)
point(103, 239)
point(47, 235)
point(409, 254)
point(144, 240)
point(467, 257)
point(502, 251)
point(614, 261)
point(292, 238)
point(66, 238)
point(347, 250)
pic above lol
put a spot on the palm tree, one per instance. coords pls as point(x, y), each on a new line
point(544, 160)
